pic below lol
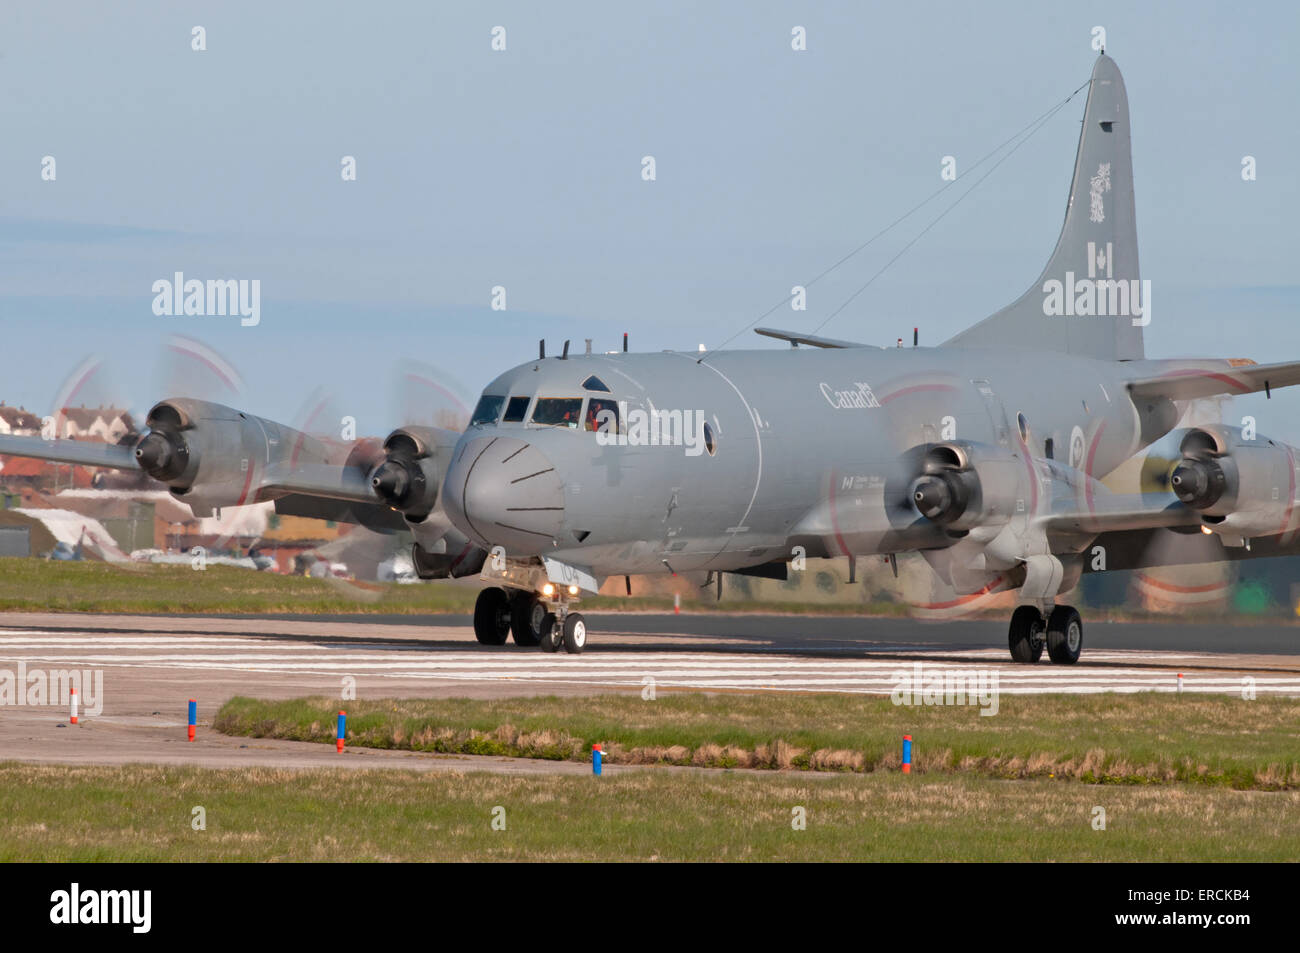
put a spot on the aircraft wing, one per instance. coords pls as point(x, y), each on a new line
point(1149, 548)
point(1187, 380)
point(1107, 513)
point(85, 453)
point(812, 340)
point(312, 479)
point(319, 480)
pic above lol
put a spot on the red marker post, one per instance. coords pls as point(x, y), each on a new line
point(73, 719)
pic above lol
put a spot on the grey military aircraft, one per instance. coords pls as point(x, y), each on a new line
point(985, 454)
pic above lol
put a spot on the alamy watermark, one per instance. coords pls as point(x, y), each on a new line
point(652, 428)
point(946, 686)
point(38, 687)
point(1100, 293)
point(216, 296)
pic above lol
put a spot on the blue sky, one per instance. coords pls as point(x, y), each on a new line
point(522, 168)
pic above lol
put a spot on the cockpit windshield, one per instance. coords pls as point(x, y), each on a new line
point(487, 411)
point(602, 415)
point(558, 411)
point(516, 410)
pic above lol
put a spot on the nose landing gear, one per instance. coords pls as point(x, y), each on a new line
point(533, 620)
point(570, 632)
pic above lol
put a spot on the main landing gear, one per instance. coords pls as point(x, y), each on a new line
point(1061, 633)
point(530, 618)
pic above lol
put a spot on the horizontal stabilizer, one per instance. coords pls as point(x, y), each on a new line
point(812, 340)
point(1188, 380)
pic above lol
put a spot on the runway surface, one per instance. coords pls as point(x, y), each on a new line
point(152, 665)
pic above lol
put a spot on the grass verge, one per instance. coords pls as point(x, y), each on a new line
point(1109, 739)
point(40, 585)
point(144, 813)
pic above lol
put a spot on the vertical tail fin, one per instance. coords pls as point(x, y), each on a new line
point(1089, 299)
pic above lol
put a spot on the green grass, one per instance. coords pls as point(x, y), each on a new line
point(1111, 739)
point(143, 813)
point(41, 585)
point(47, 585)
point(51, 586)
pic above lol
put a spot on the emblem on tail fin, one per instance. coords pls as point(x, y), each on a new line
point(1100, 183)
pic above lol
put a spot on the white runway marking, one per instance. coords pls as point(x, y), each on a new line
point(741, 671)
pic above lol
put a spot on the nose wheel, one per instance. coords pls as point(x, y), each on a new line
point(1061, 633)
point(571, 633)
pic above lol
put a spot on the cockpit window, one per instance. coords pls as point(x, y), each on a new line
point(487, 411)
point(602, 415)
point(594, 383)
point(558, 411)
point(516, 410)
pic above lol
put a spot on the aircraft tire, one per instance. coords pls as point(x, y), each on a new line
point(492, 616)
point(1064, 635)
point(1026, 635)
point(550, 638)
point(526, 616)
point(575, 633)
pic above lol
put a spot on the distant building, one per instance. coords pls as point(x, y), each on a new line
point(18, 421)
point(17, 473)
point(104, 424)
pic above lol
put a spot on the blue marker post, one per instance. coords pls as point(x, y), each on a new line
point(907, 754)
point(343, 730)
point(194, 717)
point(595, 759)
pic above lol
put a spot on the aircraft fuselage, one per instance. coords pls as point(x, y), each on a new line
point(762, 450)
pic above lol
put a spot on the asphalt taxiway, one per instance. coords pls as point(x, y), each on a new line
point(153, 664)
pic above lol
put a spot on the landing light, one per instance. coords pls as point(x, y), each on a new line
point(1206, 530)
point(573, 590)
point(548, 590)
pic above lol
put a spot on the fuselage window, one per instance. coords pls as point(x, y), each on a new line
point(516, 410)
point(601, 415)
point(487, 411)
point(558, 411)
point(594, 383)
point(710, 442)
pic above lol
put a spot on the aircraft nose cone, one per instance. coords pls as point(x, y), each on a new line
point(506, 493)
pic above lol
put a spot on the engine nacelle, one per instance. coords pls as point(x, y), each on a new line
point(211, 455)
point(1241, 487)
point(410, 476)
point(965, 485)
